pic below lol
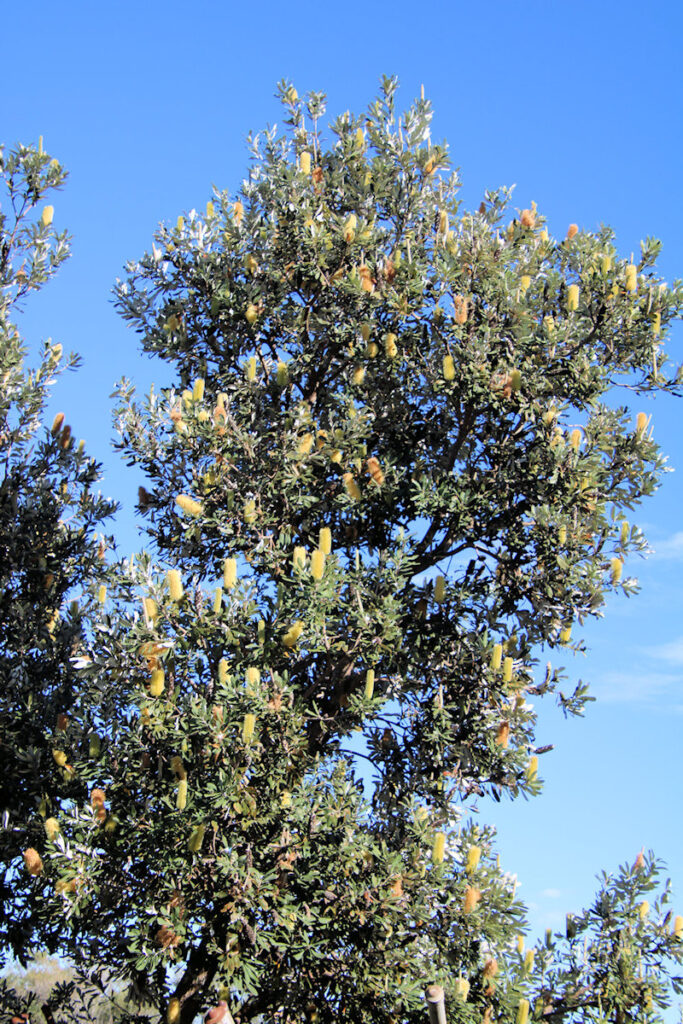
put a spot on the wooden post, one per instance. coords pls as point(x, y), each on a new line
point(436, 1004)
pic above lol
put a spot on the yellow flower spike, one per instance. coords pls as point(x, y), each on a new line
point(325, 541)
point(249, 510)
point(349, 229)
point(461, 305)
point(390, 347)
point(217, 600)
point(248, 728)
point(572, 230)
point(101, 594)
point(462, 988)
point(195, 841)
point(60, 757)
point(198, 389)
point(336, 455)
point(529, 961)
point(318, 564)
point(250, 368)
point(573, 297)
point(180, 224)
point(372, 349)
point(187, 398)
point(471, 899)
point(520, 944)
point(181, 796)
point(443, 223)
point(525, 283)
point(189, 505)
point(507, 670)
point(439, 589)
point(358, 375)
point(606, 264)
point(631, 277)
point(448, 368)
point(544, 235)
point(575, 439)
point(178, 767)
point(47, 215)
point(352, 488)
point(643, 910)
point(156, 682)
point(229, 573)
point(238, 212)
point(360, 139)
point(473, 858)
point(657, 324)
point(282, 375)
point(52, 829)
point(291, 637)
point(439, 848)
point(222, 672)
point(616, 568)
point(532, 768)
point(678, 926)
point(286, 798)
point(173, 1011)
point(305, 163)
point(624, 533)
point(375, 470)
point(369, 683)
point(497, 657)
point(57, 424)
point(251, 316)
point(516, 381)
point(299, 558)
point(365, 331)
point(305, 444)
point(641, 422)
point(210, 211)
point(565, 635)
point(175, 585)
point(522, 1011)
point(252, 678)
point(562, 536)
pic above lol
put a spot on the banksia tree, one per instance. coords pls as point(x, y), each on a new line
point(50, 556)
point(354, 569)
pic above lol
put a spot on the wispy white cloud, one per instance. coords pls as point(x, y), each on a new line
point(669, 547)
point(551, 894)
point(637, 687)
point(671, 652)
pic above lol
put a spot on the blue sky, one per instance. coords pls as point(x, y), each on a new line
point(578, 105)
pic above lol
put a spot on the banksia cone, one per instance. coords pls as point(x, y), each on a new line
point(32, 861)
point(460, 304)
point(390, 347)
point(352, 488)
point(238, 212)
point(47, 215)
point(62, 722)
point(529, 961)
point(248, 727)
point(305, 444)
point(229, 573)
point(175, 585)
point(643, 909)
point(317, 564)
point(490, 968)
point(150, 610)
point(631, 277)
point(198, 389)
point(508, 665)
point(60, 757)
point(532, 768)
point(365, 331)
point(462, 988)
point(188, 505)
point(369, 683)
point(516, 381)
point(471, 899)
point(678, 926)
point(325, 541)
point(173, 1011)
point(52, 829)
point(372, 349)
point(299, 558)
point(101, 594)
point(497, 657)
point(439, 848)
point(349, 230)
point(181, 797)
point(522, 1012)
point(222, 672)
point(565, 635)
point(443, 222)
point(195, 841)
point(250, 367)
point(57, 423)
point(286, 799)
point(249, 510)
point(209, 210)
point(641, 422)
point(562, 535)
point(291, 637)
point(572, 230)
point(503, 734)
point(473, 858)
point(448, 368)
point(305, 163)
point(616, 567)
point(217, 600)
point(657, 324)
point(156, 682)
point(375, 470)
point(520, 944)
point(575, 439)
point(606, 264)
point(528, 218)
point(252, 676)
point(282, 374)
point(573, 297)
point(358, 375)
point(525, 283)
point(439, 589)
point(178, 767)
point(97, 797)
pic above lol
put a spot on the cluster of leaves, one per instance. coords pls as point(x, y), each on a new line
point(390, 472)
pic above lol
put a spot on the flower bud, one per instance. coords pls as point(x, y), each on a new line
point(516, 381)
point(222, 672)
point(218, 600)
point(462, 988)
point(448, 368)
point(572, 230)
point(473, 857)
point(282, 374)
point(305, 163)
point(189, 505)
point(471, 899)
point(575, 439)
point(318, 564)
point(198, 389)
point(439, 848)
point(562, 535)
point(460, 304)
point(643, 909)
point(565, 635)
point(522, 1011)
point(375, 470)
point(439, 589)
point(525, 283)
point(299, 558)
point(325, 542)
point(573, 297)
point(508, 665)
point(369, 683)
point(291, 637)
point(532, 768)
point(195, 841)
point(181, 796)
point(678, 926)
point(52, 829)
point(252, 677)
point(529, 961)
point(503, 734)
point(248, 728)
point(156, 683)
point(616, 567)
point(390, 347)
point(657, 324)
point(305, 444)
point(175, 585)
point(47, 215)
point(352, 488)
point(497, 657)
point(606, 264)
point(32, 861)
point(229, 573)
point(641, 422)
point(57, 424)
point(238, 212)
point(631, 277)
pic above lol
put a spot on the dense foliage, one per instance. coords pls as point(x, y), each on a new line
point(392, 471)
